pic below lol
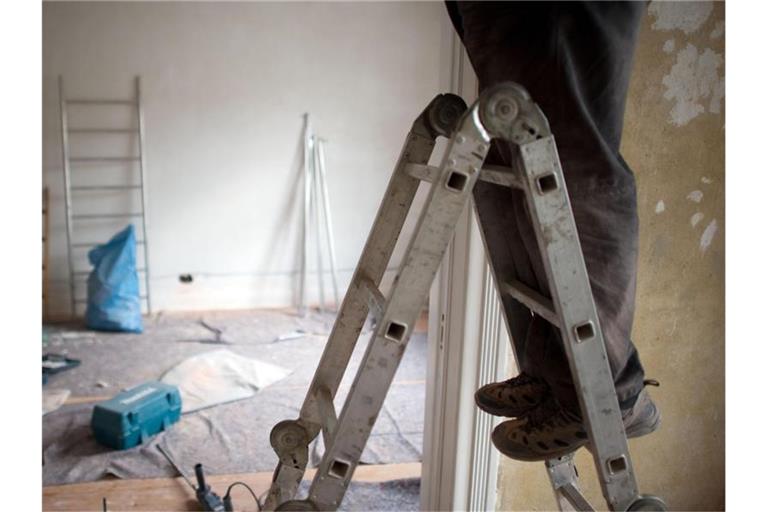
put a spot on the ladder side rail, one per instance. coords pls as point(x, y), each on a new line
point(371, 267)
point(438, 118)
point(143, 183)
point(351, 316)
point(376, 254)
point(46, 245)
point(563, 260)
point(497, 226)
point(67, 194)
point(447, 199)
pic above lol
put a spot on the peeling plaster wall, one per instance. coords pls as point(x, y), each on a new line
point(674, 140)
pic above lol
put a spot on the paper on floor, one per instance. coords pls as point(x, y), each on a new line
point(53, 399)
point(220, 376)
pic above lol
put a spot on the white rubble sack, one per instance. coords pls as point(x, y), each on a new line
point(220, 376)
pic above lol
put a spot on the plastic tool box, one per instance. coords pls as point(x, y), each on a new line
point(131, 417)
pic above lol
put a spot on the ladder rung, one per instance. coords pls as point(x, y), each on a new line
point(83, 301)
point(107, 187)
point(327, 413)
point(94, 244)
point(575, 498)
point(500, 175)
point(376, 300)
point(105, 159)
point(103, 130)
point(423, 172)
point(87, 272)
point(106, 216)
point(100, 102)
point(536, 302)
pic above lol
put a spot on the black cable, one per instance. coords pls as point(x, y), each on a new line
point(226, 496)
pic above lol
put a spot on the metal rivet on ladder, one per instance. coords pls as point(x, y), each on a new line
point(584, 331)
point(338, 469)
point(457, 181)
point(546, 183)
point(396, 331)
point(617, 465)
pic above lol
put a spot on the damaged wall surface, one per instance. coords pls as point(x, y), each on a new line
point(225, 87)
point(674, 140)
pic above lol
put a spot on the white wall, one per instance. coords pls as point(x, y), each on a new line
point(225, 86)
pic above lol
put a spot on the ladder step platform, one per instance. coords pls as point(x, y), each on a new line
point(101, 102)
point(89, 245)
point(102, 130)
point(500, 175)
point(105, 159)
point(101, 188)
point(532, 299)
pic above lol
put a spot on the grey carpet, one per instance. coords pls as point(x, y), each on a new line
point(395, 495)
point(229, 438)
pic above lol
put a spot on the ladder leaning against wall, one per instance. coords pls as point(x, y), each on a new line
point(81, 190)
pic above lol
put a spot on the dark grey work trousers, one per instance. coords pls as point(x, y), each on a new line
point(574, 58)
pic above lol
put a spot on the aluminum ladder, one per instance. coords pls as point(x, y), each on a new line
point(88, 163)
point(506, 112)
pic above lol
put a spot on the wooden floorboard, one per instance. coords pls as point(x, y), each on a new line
point(173, 494)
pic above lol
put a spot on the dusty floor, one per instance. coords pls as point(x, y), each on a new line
point(230, 438)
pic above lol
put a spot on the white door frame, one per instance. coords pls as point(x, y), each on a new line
point(468, 347)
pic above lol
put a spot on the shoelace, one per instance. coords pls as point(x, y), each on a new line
point(520, 380)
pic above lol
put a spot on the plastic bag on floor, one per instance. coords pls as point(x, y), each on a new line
point(113, 285)
point(220, 376)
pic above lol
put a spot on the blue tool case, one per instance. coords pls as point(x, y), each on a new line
point(131, 417)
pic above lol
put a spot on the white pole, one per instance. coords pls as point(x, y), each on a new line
point(328, 220)
point(305, 224)
point(316, 211)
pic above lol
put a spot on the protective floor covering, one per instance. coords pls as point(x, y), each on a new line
point(396, 495)
point(228, 438)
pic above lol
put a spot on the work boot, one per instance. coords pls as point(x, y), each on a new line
point(512, 398)
point(551, 431)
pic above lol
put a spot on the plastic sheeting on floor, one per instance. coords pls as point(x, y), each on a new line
point(220, 376)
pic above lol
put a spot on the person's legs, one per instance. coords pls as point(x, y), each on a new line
point(574, 59)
